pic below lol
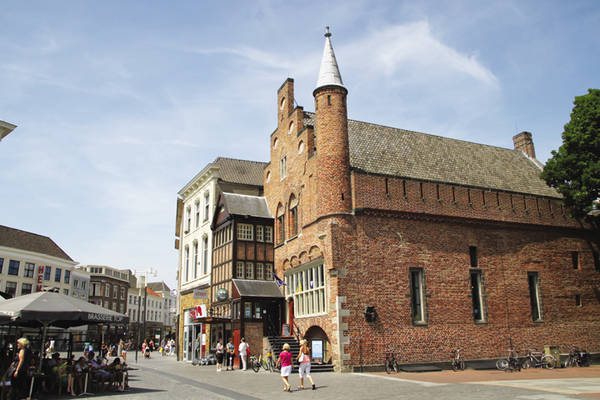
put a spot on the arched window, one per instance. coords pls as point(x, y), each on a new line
point(280, 224)
point(293, 215)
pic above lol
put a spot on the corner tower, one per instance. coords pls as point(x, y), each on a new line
point(331, 128)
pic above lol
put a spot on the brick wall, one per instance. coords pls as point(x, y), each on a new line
point(382, 248)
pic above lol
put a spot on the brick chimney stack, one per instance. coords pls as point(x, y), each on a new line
point(524, 142)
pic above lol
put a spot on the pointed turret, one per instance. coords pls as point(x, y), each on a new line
point(329, 73)
point(331, 129)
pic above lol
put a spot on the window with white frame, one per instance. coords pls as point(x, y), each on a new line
point(477, 295)
point(29, 270)
point(417, 296)
point(307, 286)
point(187, 263)
point(195, 257)
point(107, 290)
point(206, 205)
point(188, 219)
point(269, 234)
point(535, 298)
point(269, 272)
point(260, 271)
point(283, 167)
point(205, 255)
point(245, 232)
point(249, 270)
point(240, 270)
point(259, 233)
point(197, 213)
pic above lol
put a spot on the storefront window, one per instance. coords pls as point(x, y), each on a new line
point(247, 310)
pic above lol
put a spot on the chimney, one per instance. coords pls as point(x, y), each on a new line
point(524, 142)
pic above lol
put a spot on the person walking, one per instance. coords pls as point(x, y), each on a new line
point(230, 354)
point(21, 364)
point(285, 360)
point(243, 351)
point(304, 360)
point(219, 355)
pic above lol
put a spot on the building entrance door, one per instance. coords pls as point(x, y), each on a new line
point(272, 326)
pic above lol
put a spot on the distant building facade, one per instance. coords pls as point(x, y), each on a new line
point(108, 287)
point(31, 263)
point(80, 284)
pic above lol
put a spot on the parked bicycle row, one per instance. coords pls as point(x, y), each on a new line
point(513, 362)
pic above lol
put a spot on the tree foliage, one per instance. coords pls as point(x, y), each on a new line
point(574, 170)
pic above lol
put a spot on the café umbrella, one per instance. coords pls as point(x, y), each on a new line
point(44, 309)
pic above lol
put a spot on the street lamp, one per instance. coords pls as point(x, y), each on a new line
point(146, 274)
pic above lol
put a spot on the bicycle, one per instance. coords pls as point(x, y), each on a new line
point(267, 363)
point(538, 359)
point(511, 363)
point(457, 362)
point(578, 358)
point(391, 363)
point(255, 362)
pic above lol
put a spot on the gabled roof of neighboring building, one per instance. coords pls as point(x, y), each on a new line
point(257, 288)
point(390, 151)
point(230, 170)
point(18, 239)
point(152, 292)
point(241, 204)
point(158, 286)
point(240, 171)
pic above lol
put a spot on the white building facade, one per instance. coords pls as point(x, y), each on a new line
point(31, 263)
point(196, 203)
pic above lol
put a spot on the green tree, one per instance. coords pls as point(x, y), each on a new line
point(574, 170)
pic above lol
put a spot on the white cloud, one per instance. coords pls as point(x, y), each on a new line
point(413, 51)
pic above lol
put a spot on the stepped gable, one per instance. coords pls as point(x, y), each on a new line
point(240, 171)
point(18, 239)
point(397, 152)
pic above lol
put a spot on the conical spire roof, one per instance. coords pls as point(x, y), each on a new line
point(329, 73)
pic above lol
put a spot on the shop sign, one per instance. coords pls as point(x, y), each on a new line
point(222, 294)
point(198, 312)
point(200, 294)
point(317, 349)
point(40, 278)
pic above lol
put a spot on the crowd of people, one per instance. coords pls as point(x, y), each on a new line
point(64, 375)
point(226, 353)
point(165, 348)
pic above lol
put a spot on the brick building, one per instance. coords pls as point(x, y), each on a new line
point(393, 240)
point(108, 287)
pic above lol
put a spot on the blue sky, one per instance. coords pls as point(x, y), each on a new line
point(119, 103)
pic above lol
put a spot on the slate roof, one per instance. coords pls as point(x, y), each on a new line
point(257, 288)
point(18, 239)
point(240, 171)
point(241, 204)
point(397, 152)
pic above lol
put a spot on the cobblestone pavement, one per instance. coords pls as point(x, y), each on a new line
point(165, 378)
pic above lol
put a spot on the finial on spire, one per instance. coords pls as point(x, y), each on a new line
point(329, 74)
